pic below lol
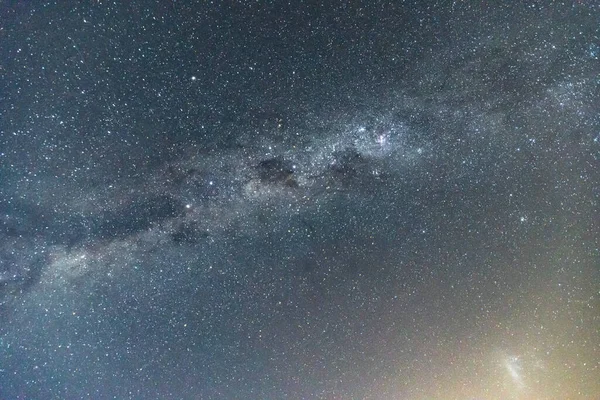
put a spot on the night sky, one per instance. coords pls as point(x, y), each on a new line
point(293, 200)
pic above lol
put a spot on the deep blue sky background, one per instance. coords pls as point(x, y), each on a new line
point(261, 200)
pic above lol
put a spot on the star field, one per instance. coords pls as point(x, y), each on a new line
point(261, 200)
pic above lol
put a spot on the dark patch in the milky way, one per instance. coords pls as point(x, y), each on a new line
point(178, 176)
point(188, 233)
point(192, 182)
point(19, 218)
point(134, 216)
point(137, 216)
point(20, 268)
point(21, 265)
point(348, 164)
point(276, 170)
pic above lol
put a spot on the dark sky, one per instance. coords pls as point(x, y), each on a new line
point(294, 200)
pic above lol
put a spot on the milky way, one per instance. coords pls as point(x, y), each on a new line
point(269, 201)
